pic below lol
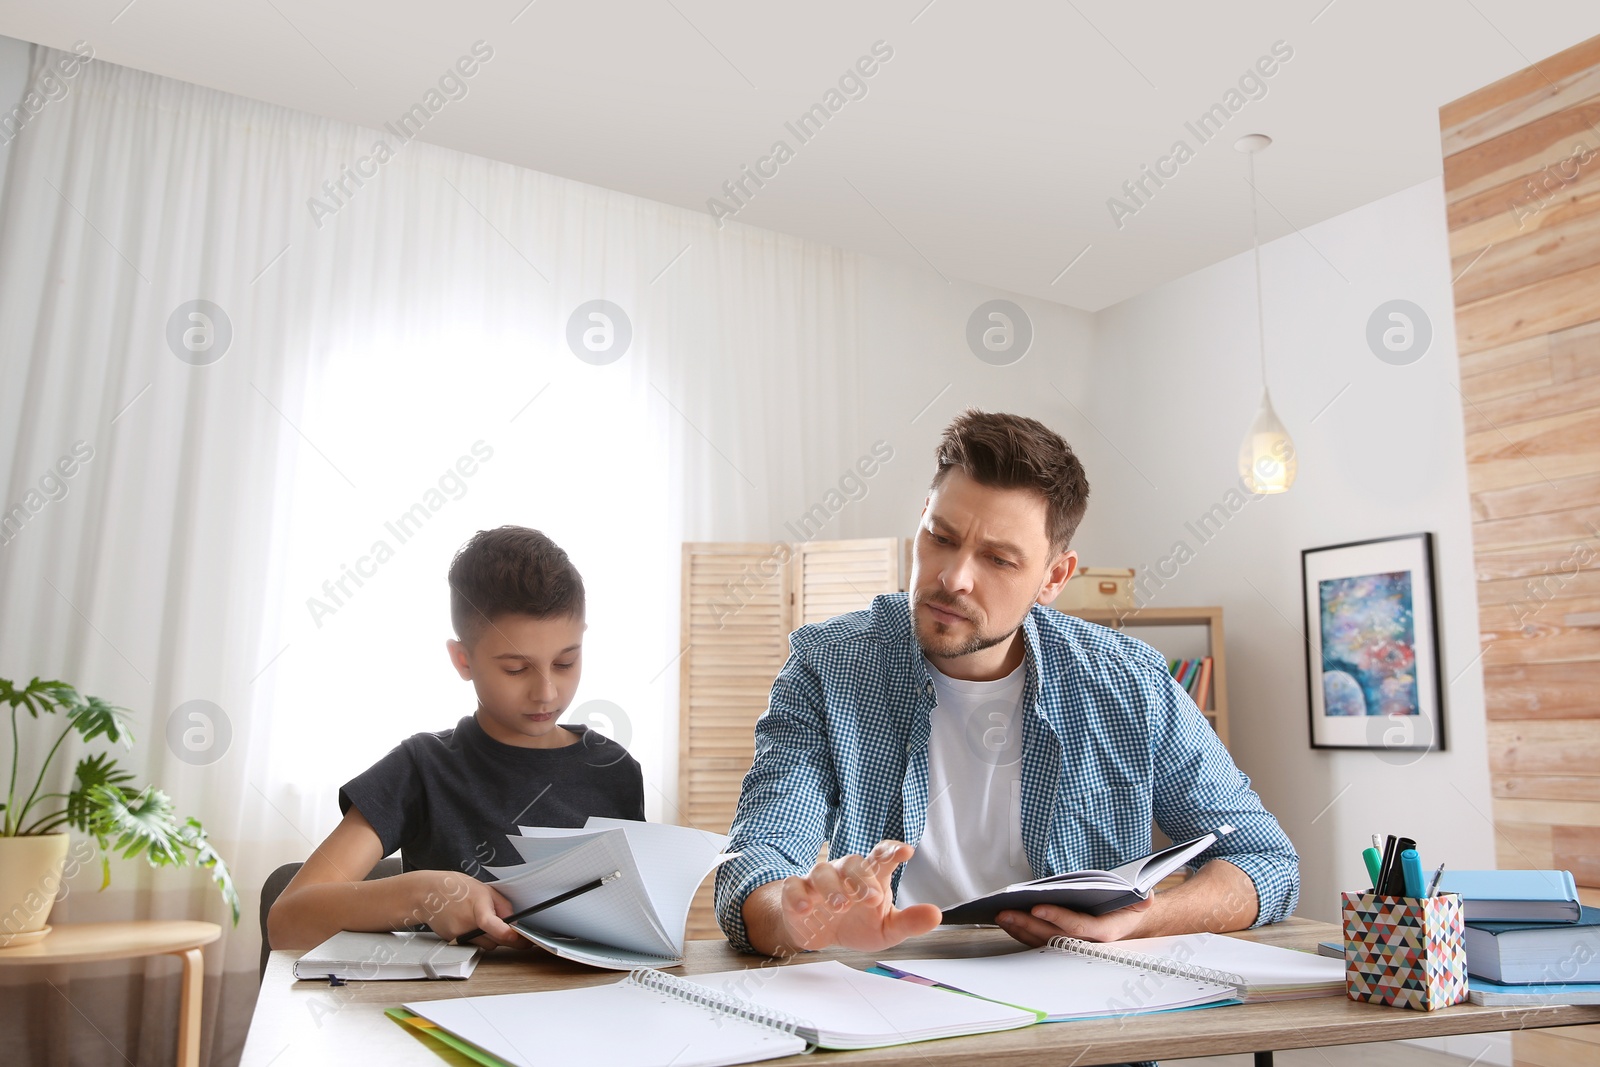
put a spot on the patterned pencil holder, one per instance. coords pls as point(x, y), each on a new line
point(1408, 952)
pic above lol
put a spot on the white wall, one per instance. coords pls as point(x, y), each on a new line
point(1175, 384)
point(1155, 395)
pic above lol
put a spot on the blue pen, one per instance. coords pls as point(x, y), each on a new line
point(1411, 868)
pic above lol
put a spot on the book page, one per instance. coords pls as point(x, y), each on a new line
point(1267, 967)
point(618, 913)
point(1065, 985)
point(673, 861)
point(840, 1007)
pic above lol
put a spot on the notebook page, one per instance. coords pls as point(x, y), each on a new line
point(620, 1025)
point(539, 849)
point(673, 861)
point(1064, 985)
point(844, 1008)
point(618, 913)
point(1261, 966)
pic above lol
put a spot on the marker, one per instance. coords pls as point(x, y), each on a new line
point(1373, 862)
point(1411, 869)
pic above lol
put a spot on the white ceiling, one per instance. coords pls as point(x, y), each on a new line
point(985, 149)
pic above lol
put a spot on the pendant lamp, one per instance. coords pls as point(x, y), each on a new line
point(1266, 455)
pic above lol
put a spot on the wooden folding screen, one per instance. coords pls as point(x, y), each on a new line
point(740, 603)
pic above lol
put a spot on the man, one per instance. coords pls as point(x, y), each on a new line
point(1001, 738)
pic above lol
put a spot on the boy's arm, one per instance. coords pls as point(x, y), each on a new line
point(328, 895)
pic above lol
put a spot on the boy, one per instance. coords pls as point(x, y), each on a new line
point(447, 800)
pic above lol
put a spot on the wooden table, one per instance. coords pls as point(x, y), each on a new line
point(95, 942)
point(313, 1023)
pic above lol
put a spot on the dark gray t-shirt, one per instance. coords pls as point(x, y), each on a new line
point(447, 800)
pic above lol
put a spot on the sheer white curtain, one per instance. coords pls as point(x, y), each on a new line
point(409, 357)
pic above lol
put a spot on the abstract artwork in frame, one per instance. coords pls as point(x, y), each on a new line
point(1372, 645)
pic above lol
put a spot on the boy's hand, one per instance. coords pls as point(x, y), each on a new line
point(848, 902)
point(458, 903)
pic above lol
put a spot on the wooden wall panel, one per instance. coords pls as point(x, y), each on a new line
point(1522, 181)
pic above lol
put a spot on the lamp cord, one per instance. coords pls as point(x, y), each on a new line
point(1255, 244)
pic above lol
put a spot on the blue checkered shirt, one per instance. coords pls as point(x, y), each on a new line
point(1110, 743)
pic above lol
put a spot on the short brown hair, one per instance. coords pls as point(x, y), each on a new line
point(1014, 452)
point(511, 571)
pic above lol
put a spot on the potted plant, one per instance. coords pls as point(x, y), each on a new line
point(101, 802)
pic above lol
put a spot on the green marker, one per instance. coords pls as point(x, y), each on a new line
point(1373, 864)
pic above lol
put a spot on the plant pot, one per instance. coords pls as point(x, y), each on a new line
point(30, 877)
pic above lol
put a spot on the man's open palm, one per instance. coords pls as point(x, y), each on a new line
point(848, 902)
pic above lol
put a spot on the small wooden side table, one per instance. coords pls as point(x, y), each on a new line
point(95, 942)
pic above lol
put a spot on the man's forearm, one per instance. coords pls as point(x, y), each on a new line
point(763, 920)
point(1218, 897)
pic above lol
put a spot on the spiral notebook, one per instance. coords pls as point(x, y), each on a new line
point(1072, 979)
point(655, 1018)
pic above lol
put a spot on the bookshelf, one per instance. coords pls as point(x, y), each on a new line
point(1208, 617)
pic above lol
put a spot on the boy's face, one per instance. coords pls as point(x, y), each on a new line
point(525, 671)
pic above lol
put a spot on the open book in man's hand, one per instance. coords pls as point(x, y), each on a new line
point(635, 920)
point(1091, 892)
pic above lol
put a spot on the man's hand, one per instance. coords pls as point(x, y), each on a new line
point(1047, 921)
point(846, 902)
point(1218, 897)
point(459, 903)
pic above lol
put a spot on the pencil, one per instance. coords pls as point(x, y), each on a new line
point(543, 904)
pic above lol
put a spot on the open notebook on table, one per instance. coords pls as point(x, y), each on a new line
point(1072, 979)
point(637, 920)
point(655, 1018)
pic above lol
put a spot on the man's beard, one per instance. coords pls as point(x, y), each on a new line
point(977, 642)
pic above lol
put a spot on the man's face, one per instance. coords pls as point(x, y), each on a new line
point(525, 671)
point(981, 559)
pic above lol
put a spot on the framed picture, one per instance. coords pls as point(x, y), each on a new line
point(1372, 645)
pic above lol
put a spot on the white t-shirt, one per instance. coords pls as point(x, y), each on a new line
point(972, 844)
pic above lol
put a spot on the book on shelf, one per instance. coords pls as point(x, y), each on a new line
point(1195, 677)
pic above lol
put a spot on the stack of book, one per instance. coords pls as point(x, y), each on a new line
point(1195, 677)
point(1529, 941)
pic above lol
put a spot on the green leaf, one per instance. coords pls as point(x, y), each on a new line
point(39, 695)
point(99, 769)
point(94, 717)
point(146, 825)
point(143, 824)
point(205, 856)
